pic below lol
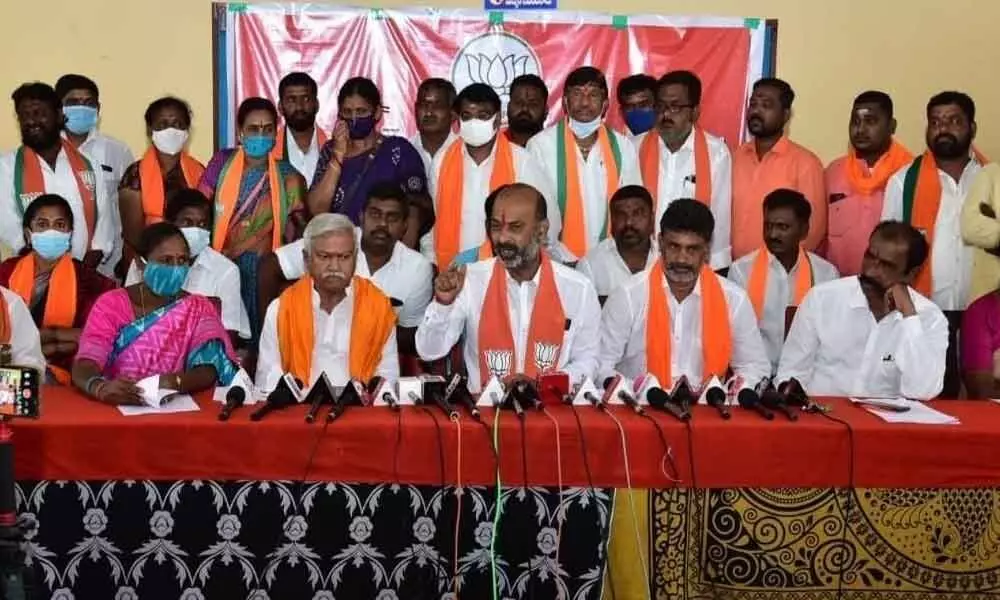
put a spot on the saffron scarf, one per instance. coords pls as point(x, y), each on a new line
point(60, 302)
point(649, 164)
point(497, 352)
point(29, 183)
point(570, 192)
point(716, 331)
point(229, 191)
point(372, 322)
point(757, 283)
point(280, 151)
point(867, 183)
point(151, 182)
point(450, 194)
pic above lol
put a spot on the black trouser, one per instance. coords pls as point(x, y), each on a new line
point(952, 373)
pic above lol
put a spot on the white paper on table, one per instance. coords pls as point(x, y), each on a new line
point(920, 413)
point(176, 403)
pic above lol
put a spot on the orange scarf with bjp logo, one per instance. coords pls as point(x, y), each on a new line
point(649, 165)
point(151, 182)
point(757, 283)
point(29, 183)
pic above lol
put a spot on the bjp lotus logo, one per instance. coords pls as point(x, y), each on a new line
point(498, 362)
point(495, 59)
point(546, 355)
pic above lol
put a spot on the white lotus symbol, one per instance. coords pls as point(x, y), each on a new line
point(498, 362)
point(545, 355)
point(496, 71)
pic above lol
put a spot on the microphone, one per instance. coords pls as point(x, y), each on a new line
point(285, 394)
point(553, 387)
point(773, 400)
point(749, 399)
point(715, 396)
point(319, 395)
point(458, 393)
point(526, 393)
point(235, 398)
point(587, 394)
point(659, 399)
point(682, 395)
point(794, 394)
point(381, 390)
point(618, 388)
point(434, 389)
point(351, 395)
point(411, 390)
point(493, 394)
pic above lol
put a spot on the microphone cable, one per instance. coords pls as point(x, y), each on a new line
point(458, 500)
point(559, 479)
point(668, 455)
point(593, 493)
point(499, 507)
point(440, 445)
point(524, 486)
point(849, 505)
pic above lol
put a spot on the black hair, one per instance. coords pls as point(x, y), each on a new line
point(478, 93)
point(541, 209)
point(791, 199)
point(37, 90)
point(157, 233)
point(632, 191)
point(531, 80)
point(360, 86)
point(962, 100)
point(688, 216)
point(689, 80)
point(633, 84)
point(388, 190)
point(167, 102)
point(879, 99)
point(297, 79)
point(586, 76)
point(917, 248)
point(72, 81)
point(47, 201)
point(188, 198)
point(439, 84)
point(786, 95)
point(253, 104)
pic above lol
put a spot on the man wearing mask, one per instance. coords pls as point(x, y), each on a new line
point(467, 172)
point(48, 164)
point(527, 109)
point(778, 276)
point(680, 318)
point(630, 248)
point(434, 117)
point(520, 314)
point(211, 274)
point(636, 101)
point(856, 182)
point(585, 162)
point(679, 159)
point(298, 102)
point(929, 194)
point(770, 161)
point(870, 335)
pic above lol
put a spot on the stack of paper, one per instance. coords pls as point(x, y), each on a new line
point(158, 401)
point(911, 411)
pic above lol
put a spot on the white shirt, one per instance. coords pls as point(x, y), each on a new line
point(62, 181)
point(304, 162)
point(443, 326)
point(25, 342)
point(606, 268)
point(836, 348)
point(475, 189)
point(544, 147)
point(428, 158)
point(623, 332)
point(951, 258)
point(331, 353)
point(677, 180)
point(779, 295)
point(407, 277)
point(215, 276)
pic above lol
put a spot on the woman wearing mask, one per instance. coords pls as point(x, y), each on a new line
point(165, 168)
point(358, 156)
point(58, 289)
point(153, 328)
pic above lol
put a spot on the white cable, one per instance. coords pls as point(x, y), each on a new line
point(631, 501)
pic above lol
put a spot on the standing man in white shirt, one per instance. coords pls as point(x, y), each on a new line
point(637, 103)
point(527, 109)
point(585, 162)
point(929, 194)
point(466, 173)
point(300, 139)
point(871, 335)
point(679, 318)
point(679, 159)
point(521, 313)
point(630, 249)
point(433, 113)
point(48, 164)
point(778, 276)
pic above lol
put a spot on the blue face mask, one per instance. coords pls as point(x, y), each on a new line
point(80, 120)
point(197, 238)
point(50, 244)
point(164, 280)
point(361, 127)
point(258, 146)
point(640, 120)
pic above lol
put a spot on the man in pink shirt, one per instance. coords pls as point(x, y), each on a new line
point(856, 181)
point(771, 161)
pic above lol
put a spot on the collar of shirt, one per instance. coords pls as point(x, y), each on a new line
point(686, 147)
point(782, 146)
point(695, 293)
point(293, 146)
point(514, 285)
point(362, 269)
point(348, 296)
point(858, 300)
point(650, 258)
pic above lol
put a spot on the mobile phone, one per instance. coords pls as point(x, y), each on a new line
point(19, 392)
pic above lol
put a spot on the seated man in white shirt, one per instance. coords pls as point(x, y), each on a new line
point(520, 313)
point(679, 318)
point(630, 248)
point(778, 276)
point(871, 335)
point(330, 321)
point(20, 343)
point(212, 274)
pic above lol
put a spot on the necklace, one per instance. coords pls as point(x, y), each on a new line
point(142, 305)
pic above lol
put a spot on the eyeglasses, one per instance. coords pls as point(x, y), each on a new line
point(673, 109)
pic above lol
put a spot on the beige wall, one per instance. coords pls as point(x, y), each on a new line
point(829, 51)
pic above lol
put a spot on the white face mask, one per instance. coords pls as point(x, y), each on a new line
point(582, 129)
point(477, 132)
point(170, 140)
point(197, 238)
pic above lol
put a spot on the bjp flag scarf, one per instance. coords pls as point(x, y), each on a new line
point(229, 191)
point(29, 183)
point(570, 192)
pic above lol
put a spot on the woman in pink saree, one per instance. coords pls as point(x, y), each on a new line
point(154, 328)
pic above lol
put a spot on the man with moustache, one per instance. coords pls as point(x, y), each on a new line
point(527, 109)
point(679, 318)
point(871, 335)
point(771, 161)
point(331, 321)
point(679, 159)
point(434, 116)
point(299, 102)
point(48, 164)
point(929, 194)
point(636, 101)
point(520, 313)
point(630, 248)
